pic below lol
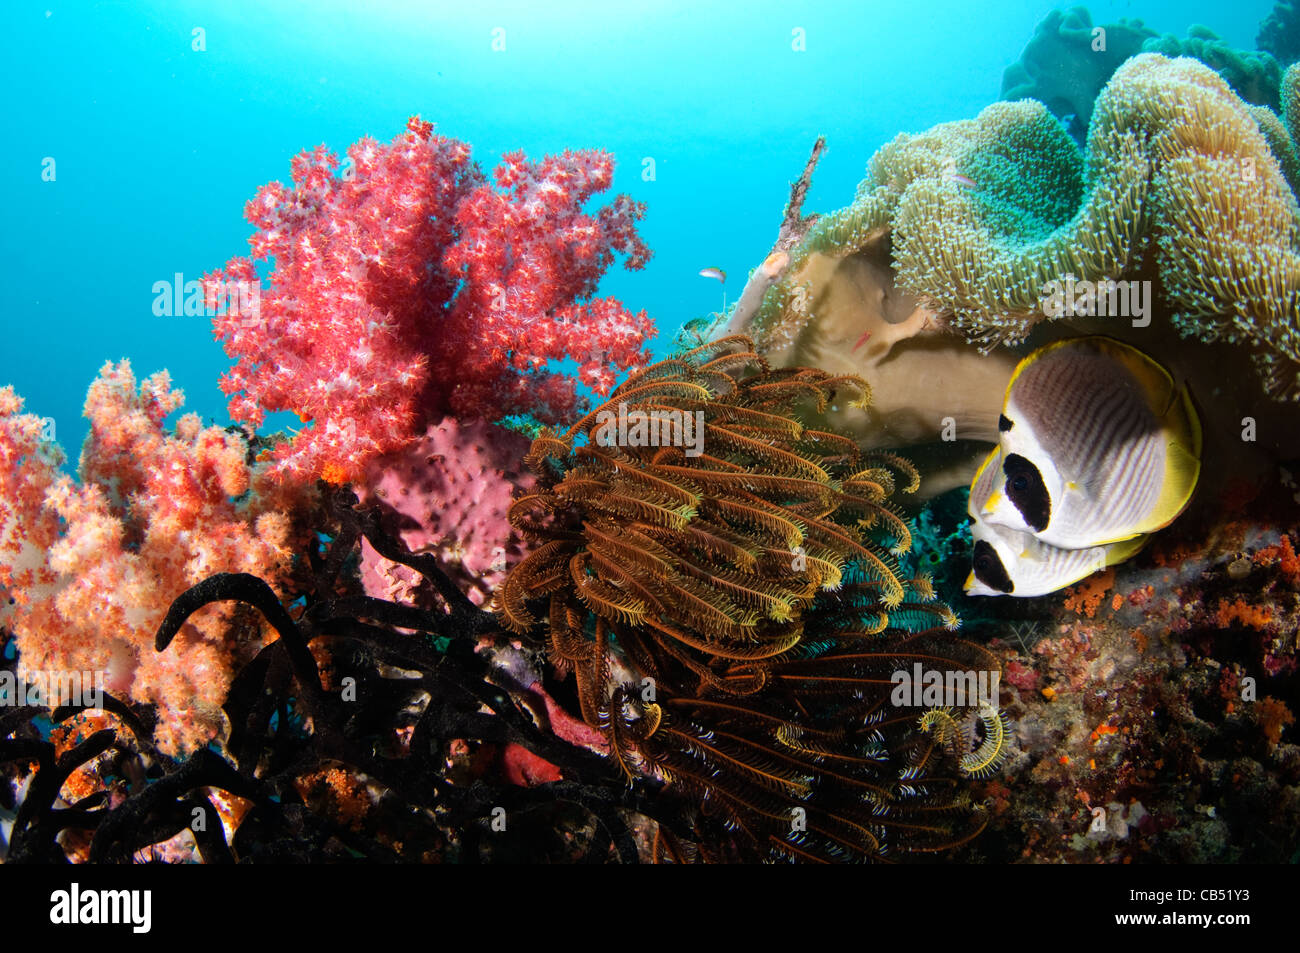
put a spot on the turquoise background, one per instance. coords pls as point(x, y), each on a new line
point(158, 147)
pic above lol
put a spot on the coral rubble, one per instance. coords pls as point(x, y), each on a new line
point(1153, 720)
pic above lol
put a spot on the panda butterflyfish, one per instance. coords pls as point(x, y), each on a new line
point(1008, 562)
point(1097, 445)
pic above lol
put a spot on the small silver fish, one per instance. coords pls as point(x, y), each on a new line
point(717, 273)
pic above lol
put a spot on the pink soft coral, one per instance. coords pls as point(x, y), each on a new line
point(410, 288)
point(93, 567)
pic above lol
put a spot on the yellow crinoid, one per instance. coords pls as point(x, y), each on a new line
point(693, 515)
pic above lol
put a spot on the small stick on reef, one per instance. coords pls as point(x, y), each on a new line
point(793, 228)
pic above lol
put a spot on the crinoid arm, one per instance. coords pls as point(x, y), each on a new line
point(735, 612)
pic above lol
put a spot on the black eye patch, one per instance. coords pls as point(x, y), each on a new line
point(988, 568)
point(1025, 488)
point(1003, 423)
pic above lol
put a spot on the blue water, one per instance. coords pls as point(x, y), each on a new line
point(158, 147)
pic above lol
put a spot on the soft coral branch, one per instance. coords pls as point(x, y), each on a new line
point(93, 566)
point(411, 287)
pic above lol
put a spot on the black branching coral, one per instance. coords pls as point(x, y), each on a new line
point(724, 584)
point(737, 621)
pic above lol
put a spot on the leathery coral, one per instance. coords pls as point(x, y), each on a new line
point(1062, 67)
point(408, 287)
point(93, 566)
point(1065, 66)
point(1178, 181)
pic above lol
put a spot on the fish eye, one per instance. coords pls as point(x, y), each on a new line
point(988, 568)
point(1025, 488)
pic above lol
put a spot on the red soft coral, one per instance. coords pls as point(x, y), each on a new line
point(409, 288)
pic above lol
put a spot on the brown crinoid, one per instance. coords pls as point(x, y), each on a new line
point(724, 583)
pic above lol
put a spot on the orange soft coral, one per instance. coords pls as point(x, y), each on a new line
point(1254, 617)
point(1086, 597)
point(88, 778)
point(28, 468)
point(93, 566)
point(339, 793)
point(1284, 555)
point(1273, 716)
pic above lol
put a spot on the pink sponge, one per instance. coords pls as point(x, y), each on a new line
point(448, 494)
